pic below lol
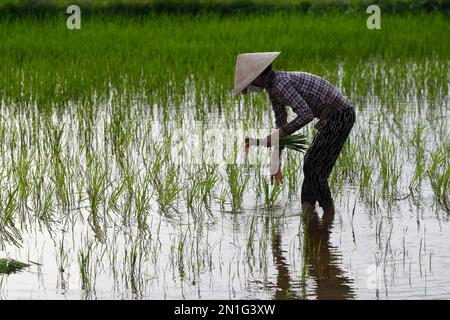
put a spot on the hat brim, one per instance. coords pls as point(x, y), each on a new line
point(249, 66)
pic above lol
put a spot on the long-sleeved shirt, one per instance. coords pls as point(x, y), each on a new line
point(308, 95)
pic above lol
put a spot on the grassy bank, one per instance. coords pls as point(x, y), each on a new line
point(42, 8)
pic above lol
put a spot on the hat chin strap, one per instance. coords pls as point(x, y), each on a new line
point(254, 88)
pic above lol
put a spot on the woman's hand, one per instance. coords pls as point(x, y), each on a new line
point(250, 142)
point(246, 145)
point(277, 177)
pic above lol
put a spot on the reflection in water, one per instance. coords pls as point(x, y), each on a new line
point(283, 285)
point(321, 259)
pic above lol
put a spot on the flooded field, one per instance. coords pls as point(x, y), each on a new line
point(143, 192)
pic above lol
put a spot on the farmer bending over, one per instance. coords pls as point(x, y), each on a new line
point(310, 97)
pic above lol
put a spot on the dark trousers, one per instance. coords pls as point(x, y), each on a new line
point(322, 155)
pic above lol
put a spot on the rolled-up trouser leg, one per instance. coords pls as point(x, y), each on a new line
point(322, 155)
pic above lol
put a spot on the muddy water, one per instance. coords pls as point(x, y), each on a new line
point(325, 258)
point(397, 249)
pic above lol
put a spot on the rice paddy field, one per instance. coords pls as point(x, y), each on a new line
point(123, 177)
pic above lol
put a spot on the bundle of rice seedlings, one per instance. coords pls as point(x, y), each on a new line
point(8, 266)
point(295, 142)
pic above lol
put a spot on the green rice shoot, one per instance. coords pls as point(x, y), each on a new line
point(296, 142)
point(8, 266)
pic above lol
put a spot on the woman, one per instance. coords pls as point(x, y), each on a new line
point(309, 96)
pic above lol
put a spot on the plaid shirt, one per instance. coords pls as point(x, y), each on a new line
point(308, 95)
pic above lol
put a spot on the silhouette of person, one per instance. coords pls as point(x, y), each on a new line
point(321, 258)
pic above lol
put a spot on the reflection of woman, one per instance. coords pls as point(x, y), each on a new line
point(283, 278)
point(320, 261)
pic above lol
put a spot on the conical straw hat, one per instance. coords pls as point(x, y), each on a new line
point(249, 66)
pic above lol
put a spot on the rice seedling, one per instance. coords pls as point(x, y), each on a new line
point(292, 170)
point(22, 171)
point(439, 175)
point(365, 174)
point(193, 192)
point(62, 257)
point(8, 266)
point(270, 196)
point(117, 193)
point(296, 142)
point(180, 255)
point(211, 178)
point(167, 188)
point(87, 269)
point(390, 168)
point(142, 203)
point(97, 177)
point(420, 161)
point(134, 261)
point(9, 231)
point(251, 236)
point(59, 169)
point(238, 185)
